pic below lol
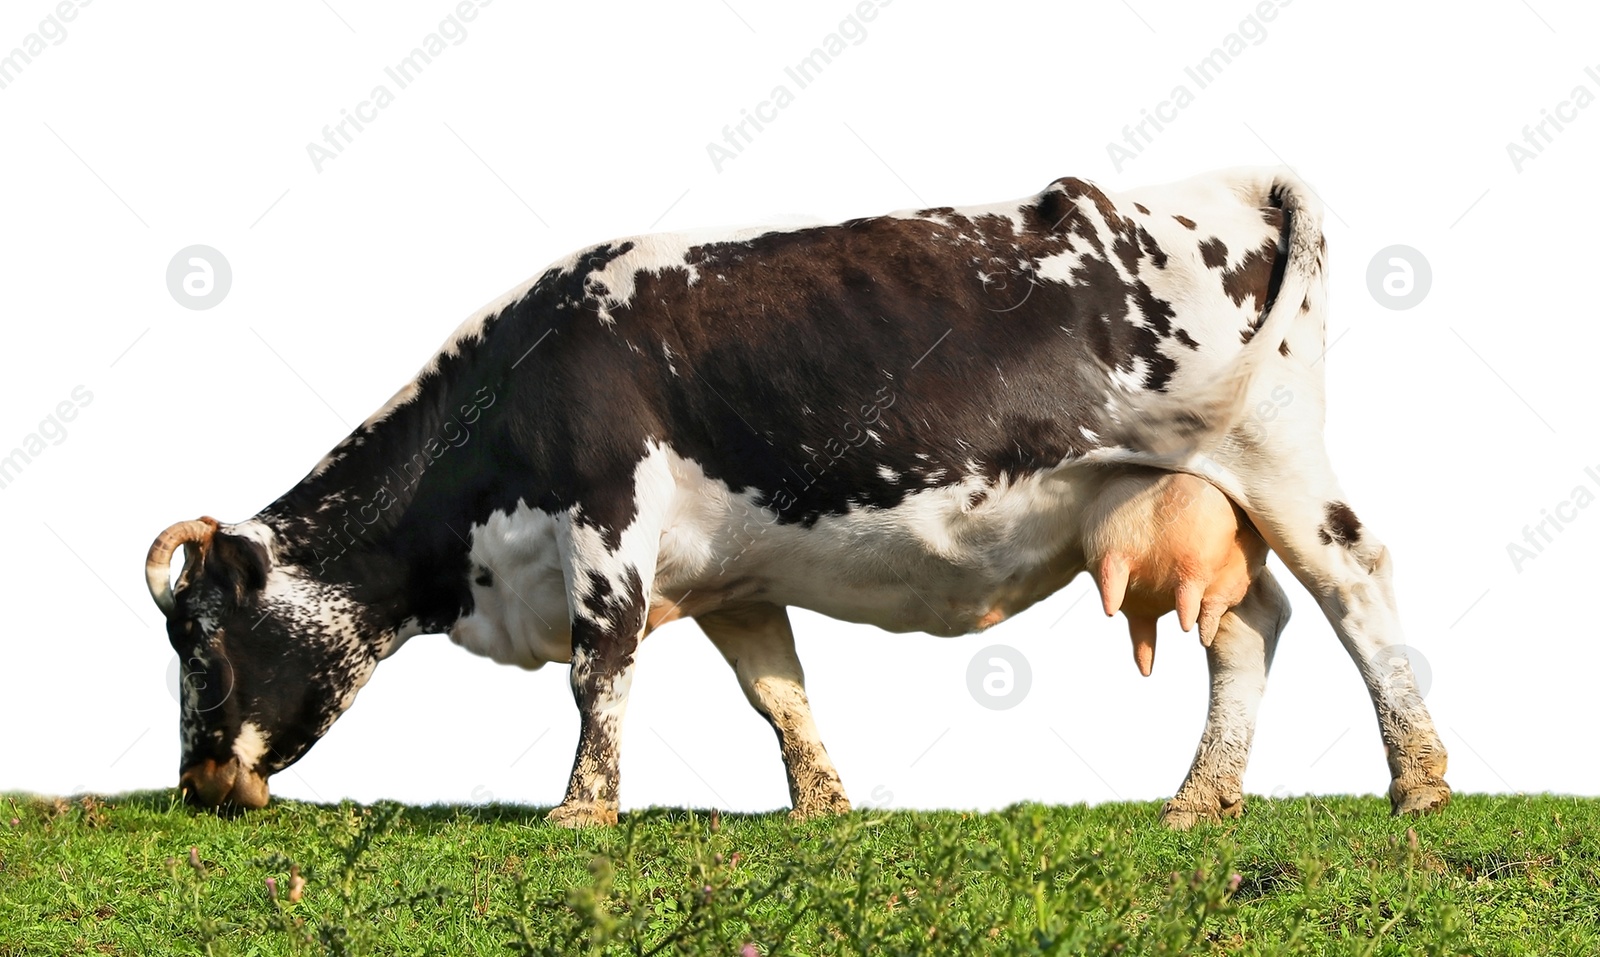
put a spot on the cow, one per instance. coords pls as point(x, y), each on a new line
point(927, 421)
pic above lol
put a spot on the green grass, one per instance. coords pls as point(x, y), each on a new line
point(1491, 875)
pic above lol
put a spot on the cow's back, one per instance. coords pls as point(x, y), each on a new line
point(851, 365)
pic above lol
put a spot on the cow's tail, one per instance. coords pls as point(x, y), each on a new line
point(1172, 431)
point(1300, 289)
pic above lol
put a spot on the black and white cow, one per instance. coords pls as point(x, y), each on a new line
point(901, 420)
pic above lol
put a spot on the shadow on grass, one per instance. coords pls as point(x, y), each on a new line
point(534, 815)
point(165, 801)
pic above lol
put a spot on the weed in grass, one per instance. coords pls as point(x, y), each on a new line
point(718, 907)
point(1027, 895)
point(348, 928)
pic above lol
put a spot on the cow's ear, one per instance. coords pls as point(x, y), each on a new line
point(238, 564)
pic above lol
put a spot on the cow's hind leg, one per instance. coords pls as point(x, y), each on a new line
point(759, 644)
point(1239, 659)
point(1296, 504)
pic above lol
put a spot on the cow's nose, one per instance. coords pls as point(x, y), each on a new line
point(210, 783)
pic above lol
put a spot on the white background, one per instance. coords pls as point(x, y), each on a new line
point(150, 128)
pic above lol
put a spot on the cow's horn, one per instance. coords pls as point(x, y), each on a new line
point(158, 563)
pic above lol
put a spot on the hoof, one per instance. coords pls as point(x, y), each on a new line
point(826, 805)
point(1181, 815)
point(1183, 818)
point(582, 815)
point(1418, 799)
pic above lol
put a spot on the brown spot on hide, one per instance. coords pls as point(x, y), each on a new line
point(1342, 526)
point(1252, 277)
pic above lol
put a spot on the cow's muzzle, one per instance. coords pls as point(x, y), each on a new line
point(211, 784)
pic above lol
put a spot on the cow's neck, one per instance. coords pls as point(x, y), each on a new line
point(388, 512)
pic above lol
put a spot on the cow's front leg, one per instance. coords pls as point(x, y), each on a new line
point(607, 603)
point(602, 671)
point(1239, 659)
point(759, 644)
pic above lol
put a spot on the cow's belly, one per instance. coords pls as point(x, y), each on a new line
point(948, 561)
point(901, 590)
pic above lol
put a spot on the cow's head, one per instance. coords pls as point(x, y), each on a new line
point(269, 657)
